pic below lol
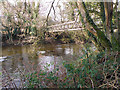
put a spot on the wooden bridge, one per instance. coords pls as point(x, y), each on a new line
point(70, 26)
point(67, 26)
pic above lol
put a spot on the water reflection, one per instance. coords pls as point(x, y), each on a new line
point(69, 51)
point(49, 62)
point(40, 55)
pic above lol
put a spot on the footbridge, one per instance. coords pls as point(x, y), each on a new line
point(67, 26)
point(70, 26)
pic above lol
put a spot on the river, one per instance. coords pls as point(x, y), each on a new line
point(42, 55)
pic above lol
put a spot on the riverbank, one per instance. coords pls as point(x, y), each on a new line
point(66, 67)
point(20, 40)
point(48, 38)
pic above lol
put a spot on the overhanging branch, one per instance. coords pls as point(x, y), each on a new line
point(49, 12)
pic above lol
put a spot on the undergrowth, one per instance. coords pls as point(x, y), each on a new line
point(88, 71)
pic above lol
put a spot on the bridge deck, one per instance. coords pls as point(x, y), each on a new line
point(66, 30)
point(67, 26)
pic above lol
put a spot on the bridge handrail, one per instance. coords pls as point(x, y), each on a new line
point(62, 24)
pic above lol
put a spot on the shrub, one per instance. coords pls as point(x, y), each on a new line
point(85, 73)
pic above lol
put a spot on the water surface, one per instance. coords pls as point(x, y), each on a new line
point(15, 56)
point(40, 55)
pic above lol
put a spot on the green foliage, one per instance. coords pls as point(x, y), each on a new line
point(85, 72)
point(0, 73)
point(40, 79)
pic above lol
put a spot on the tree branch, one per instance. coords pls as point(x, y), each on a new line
point(49, 12)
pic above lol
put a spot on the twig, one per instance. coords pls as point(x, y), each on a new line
point(54, 13)
point(9, 78)
point(106, 84)
point(92, 82)
point(112, 85)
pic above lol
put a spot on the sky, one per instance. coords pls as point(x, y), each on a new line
point(45, 6)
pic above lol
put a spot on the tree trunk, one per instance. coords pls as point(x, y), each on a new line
point(119, 29)
point(108, 19)
point(89, 23)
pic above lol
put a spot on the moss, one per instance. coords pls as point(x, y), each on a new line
point(101, 36)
